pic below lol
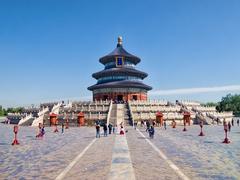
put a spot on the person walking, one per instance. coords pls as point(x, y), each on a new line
point(151, 132)
point(97, 131)
point(238, 122)
point(148, 126)
point(142, 123)
point(110, 128)
point(42, 131)
point(116, 129)
point(232, 122)
point(122, 131)
point(165, 125)
point(113, 129)
point(135, 125)
point(229, 126)
point(105, 130)
point(62, 128)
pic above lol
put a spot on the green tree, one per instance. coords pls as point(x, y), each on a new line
point(230, 103)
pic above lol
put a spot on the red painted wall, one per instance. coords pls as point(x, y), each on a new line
point(126, 96)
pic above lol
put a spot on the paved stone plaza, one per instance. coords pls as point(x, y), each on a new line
point(196, 157)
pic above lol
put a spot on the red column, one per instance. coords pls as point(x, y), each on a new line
point(159, 118)
point(81, 120)
point(186, 119)
point(53, 119)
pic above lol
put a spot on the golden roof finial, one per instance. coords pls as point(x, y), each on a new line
point(120, 40)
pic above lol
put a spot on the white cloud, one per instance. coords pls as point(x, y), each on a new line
point(196, 90)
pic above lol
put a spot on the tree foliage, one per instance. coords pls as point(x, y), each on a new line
point(230, 103)
point(3, 112)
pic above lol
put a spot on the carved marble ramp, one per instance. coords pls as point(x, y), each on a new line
point(121, 167)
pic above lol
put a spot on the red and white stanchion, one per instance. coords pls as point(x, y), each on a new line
point(15, 141)
point(226, 140)
point(201, 126)
point(67, 125)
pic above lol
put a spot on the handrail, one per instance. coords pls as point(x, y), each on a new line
point(25, 119)
point(131, 113)
point(40, 117)
point(109, 113)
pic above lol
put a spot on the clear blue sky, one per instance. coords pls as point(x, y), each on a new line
point(49, 49)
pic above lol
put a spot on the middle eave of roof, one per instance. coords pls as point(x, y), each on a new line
point(120, 71)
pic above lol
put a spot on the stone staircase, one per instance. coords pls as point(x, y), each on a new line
point(120, 113)
point(40, 117)
point(206, 120)
point(27, 120)
point(127, 119)
point(113, 115)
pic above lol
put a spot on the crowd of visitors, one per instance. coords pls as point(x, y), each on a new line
point(110, 129)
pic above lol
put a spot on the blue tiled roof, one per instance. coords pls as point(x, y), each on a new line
point(121, 84)
point(121, 71)
point(119, 51)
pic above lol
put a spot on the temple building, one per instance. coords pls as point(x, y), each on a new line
point(120, 80)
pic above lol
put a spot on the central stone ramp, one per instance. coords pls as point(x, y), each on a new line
point(121, 168)
point(146, 162)
point(95, 163)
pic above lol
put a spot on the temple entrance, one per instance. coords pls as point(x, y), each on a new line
point(119, 97)
point(134, 97)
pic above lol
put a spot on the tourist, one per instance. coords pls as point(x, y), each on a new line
point(232, 122)
point(151, 132)
point(105, 129)
point(142, 123)
point(238, 122)
point(229, 126)
point(135, 125)
point(116, 129)
point(97, 131)
point(113, 129)
point(165, 125)
point(62, 128)
point(121, 131)
point(148, 126)
point(110, 128)
point(217, 121)
point(42, 131)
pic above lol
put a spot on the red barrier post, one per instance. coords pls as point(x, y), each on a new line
point(186, 119)
point(67, 125)
point(15, 141)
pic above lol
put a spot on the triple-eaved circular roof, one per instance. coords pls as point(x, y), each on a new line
point(120, 71)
